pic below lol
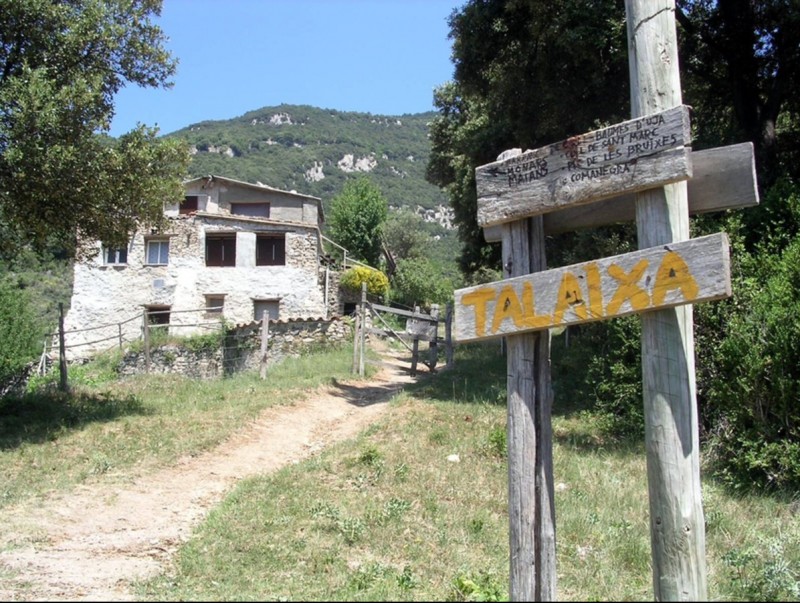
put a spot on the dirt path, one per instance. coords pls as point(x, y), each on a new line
point(90, 543)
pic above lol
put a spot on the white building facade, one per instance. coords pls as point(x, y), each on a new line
point(231, 249)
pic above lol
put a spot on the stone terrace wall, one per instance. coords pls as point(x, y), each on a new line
point(242, 349)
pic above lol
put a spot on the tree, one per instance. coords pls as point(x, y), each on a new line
point(62, 181)
point(527, 73)
point(358, 214)
point(419, 282)
point(405, 236)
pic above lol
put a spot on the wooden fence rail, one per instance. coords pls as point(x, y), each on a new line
point(419, 327)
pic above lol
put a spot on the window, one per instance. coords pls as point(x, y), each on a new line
point(254, 210)
point(221, 249)
point(269, 307)
point(214, 303)
point(158, 315)
point(115, 255)
point(189, 204)
point(157, 252)
point(270, 250)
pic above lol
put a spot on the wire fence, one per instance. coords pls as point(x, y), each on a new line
point(155, 326)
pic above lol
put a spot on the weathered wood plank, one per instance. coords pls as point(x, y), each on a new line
point(687, 272)
point(722, 178)
point(531, 501)
point(423, 329)
point(399, 312)
point(671, 426)
point(630, 156)
point(402, 335)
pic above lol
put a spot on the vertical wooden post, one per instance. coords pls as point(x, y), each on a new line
point(264, 342)
point(119, 334)
point(146, 339)
point(356, 339)
point(363, 331)
point(677, 532)
point(433, 346)
point(448, 334)
point(531, 504)
point(63, 383)
point(415, 347)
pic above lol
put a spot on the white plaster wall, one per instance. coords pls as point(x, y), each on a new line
point(114, 297)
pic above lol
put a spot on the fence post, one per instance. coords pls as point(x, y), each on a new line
point(448, 334)
point(264, 340)
point(119, 332)
point(63, 384)
point(415, 349)
point(356, 337)
point(433, 346)
point(146, 338)
point(363, 331)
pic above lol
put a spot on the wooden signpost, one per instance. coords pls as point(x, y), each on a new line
point(635, 169)
point(631, 156)
point(660, 277)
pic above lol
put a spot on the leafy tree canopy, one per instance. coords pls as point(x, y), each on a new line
point(357, 218)
point(62, 182)
point(529, 72)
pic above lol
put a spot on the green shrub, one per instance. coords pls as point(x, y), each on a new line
point(751, 415)
point(20, 337)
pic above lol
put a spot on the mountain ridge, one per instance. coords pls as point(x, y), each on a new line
point(315, 151)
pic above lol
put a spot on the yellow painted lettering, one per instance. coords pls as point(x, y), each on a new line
point(530, 318)
point(569, 297)
point(507, 306)
point(595, 288)
point(479, 298)
point(673, 273)
point(627, 288)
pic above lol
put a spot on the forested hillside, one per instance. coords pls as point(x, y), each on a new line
point(313, 151)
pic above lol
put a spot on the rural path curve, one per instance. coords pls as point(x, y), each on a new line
point(88, 544)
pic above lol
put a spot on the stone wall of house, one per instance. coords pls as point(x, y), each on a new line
point(242, 349)
point(113, 297)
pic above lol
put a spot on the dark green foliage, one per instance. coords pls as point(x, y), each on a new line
point(356, 219)
point(60, 65)
point(20, 337)
point(753, 415)
point(527, 73)
point(419, 282)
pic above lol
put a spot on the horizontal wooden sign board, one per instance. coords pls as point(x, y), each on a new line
point(722, 178)
point(627, 157)
point(686, 272)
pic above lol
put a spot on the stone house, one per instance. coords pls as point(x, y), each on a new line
point(230, 248)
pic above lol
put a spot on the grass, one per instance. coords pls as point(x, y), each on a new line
point(52, 441)
point(415, 507)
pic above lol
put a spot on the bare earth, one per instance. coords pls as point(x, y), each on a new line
point(88, 544)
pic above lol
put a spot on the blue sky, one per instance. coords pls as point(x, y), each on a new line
point(375, 56)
